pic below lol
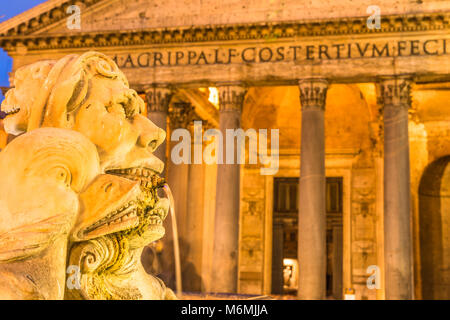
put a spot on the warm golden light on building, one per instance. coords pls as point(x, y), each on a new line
point(360, 115)
point(214, 96)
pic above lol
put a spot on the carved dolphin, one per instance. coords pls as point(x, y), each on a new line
point(51, 191)
point(42, 174)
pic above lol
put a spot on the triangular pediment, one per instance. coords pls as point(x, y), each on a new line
point(42, 17)
point(120, 15)
point(116, 15)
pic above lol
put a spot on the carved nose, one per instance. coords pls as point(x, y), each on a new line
point(151, 135)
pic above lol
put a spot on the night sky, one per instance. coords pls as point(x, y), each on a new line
point(13, 8)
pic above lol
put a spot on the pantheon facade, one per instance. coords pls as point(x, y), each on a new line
point(360, 203)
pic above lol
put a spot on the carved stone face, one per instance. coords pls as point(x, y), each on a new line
point(111, 118)
point(52, 193)
point(110, 204)
point(120, 209)
point(113, 204)
point(28, 80)
point(89, 94)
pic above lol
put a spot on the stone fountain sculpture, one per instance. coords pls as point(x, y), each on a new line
point(88, 94)
point(39, 204)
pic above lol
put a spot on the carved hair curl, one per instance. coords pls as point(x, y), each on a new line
point(67, 87)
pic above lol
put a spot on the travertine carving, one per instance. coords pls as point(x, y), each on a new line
point(109, 239)
point(89, 94)
point(28, 81)
point(123, 213)
point(39, 204)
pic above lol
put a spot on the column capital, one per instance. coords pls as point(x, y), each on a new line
point(394, 91)
point(181, 115)
point(313, 93)
point(158, 98)
point(231, 97)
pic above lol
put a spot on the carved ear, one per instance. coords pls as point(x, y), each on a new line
point(65, 98)
point(61, 173)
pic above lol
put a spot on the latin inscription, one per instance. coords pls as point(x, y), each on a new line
point(283, 53)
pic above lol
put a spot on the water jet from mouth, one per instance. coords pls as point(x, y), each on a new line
point(176, 248)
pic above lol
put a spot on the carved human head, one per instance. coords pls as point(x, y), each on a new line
point(89, 94)
point(28, 81)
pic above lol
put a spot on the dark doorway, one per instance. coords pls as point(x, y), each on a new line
point(285, 236)
point(434, 230)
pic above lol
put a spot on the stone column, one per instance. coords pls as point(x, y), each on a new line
point(209, 207)
point(395, 99)
point(312, 253)
point(195, 215)
point(180, 114)
point(226, 232)
point(158, 99)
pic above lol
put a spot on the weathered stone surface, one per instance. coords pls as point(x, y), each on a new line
point(40, 202)
point(311, 202)
point(121, 211)
point(268, 46)
point(98, 15)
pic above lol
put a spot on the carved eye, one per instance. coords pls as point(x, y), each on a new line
point(108, 187)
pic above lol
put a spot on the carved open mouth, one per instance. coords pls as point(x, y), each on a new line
point(141, 213)
point(149, 182)
point(11, 111)
point(123, 218)
point(148, 178)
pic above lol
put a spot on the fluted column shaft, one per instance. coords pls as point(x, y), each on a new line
point(226, 232)
point(395, 98)
point(312, 218)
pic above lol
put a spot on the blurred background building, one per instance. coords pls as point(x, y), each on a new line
point(360, 97)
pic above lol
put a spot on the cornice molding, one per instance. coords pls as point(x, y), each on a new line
point(46, 18)
point(199, 34)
